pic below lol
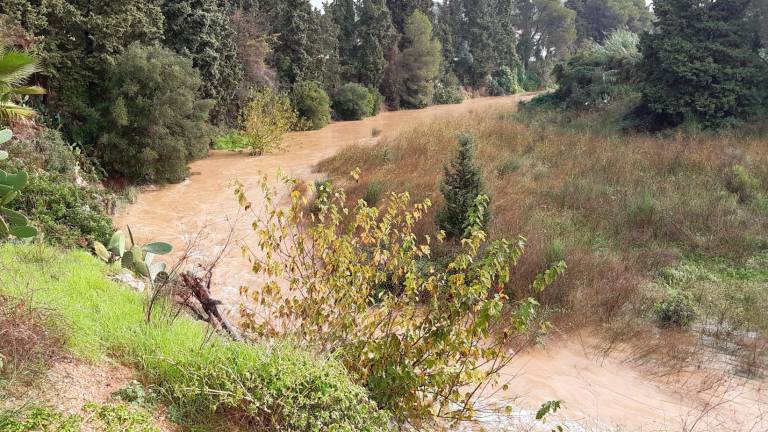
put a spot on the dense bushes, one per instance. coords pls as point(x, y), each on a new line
point(448, 91)
point(597, 76)
point(61, 199)
point(312, 104)
point(155, 121)
point(352, 102)
point(504, 82)
point(268, 387)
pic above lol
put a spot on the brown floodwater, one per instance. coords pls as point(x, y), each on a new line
point(600, 393)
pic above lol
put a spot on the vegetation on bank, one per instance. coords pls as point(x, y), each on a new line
point(266, 386)
point(622, 211)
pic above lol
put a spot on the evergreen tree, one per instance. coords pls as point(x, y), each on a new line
point(461, 186)
point(596, 19)
point(376, 34)
point(201, 30)
point(504, 37)
point(344, 16)
point(479, 35)
point(420, 62)
point(401, 10)
point(296, 53)
point(702, 63)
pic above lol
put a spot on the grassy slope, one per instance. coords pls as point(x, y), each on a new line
point(620, 209)
point(267, 387)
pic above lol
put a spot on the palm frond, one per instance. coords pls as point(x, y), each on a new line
point(29, 90)
point(10, 112)
point(16, 67)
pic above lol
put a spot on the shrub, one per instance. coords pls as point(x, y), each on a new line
point(677, 309)
point(352, 102)
point(504, 82)
point(510, 165)
point(68, 212)
point(740, 182)
point(595, 77)
point(266, 119)
point(373, 193)
point(462, 184)
point(32, 339)
point(107, 417)
point(233, 140)
point(269, 386)
point(417, 337)
point(448, 90)
point(375, 99)
point(155, 120)
point(46, 150)
point(312, 104)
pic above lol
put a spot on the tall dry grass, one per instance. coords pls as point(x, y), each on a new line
point(618, 208)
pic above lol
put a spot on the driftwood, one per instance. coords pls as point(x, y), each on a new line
point(201, 291)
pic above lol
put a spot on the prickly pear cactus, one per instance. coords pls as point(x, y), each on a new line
point(137, 259)
point(12, 223)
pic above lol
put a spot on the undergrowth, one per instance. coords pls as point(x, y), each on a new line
point(259, 386)
point(620, 208)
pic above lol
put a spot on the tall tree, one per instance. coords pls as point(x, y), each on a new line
point(296, 53)
point(375, 34)
point(420, 62)
point(402, 9)
point(595, 19)
point(343, 14)
point(702, 62)
point(547, 29)
point(202, 31)
point(78, 41)
point(479, 35)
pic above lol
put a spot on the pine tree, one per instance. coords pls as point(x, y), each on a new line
point(344, 16)
point(376, 34)
point(296, 54)
point(480, 25)
point(702, 63)
point(461, 186)
point(401, 10)
point(420, 62)
point(201, 30)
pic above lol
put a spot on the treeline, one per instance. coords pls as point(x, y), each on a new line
point(135, 83)
point(703, 65)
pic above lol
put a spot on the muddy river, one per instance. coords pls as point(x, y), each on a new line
point(599, 393)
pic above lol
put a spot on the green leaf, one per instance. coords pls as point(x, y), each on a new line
point(117, 243)
point(15, 218)
point(23, 232)
point(18, 180)
point(5, 135)
point(101, 251)
point(3, 230)
point(3, 155)
point(158, 248)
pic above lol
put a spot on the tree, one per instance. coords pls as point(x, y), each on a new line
point(296, 53)
point(266, 119)
point(202, 31)
point(401, 10)
point(461, 186)
point(420, 62)
point(547, 29)
point(343, 14)
point(596, 19)
point(479, 35)
point(77, 42)
point(376, 34)
point(701, 63)
point(16, 67)
point(155, 120)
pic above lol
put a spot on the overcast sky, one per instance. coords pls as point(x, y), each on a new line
point(317, 3)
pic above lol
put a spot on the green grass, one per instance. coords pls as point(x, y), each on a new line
point(269, 386)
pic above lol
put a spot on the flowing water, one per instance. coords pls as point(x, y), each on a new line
point(599, 393)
